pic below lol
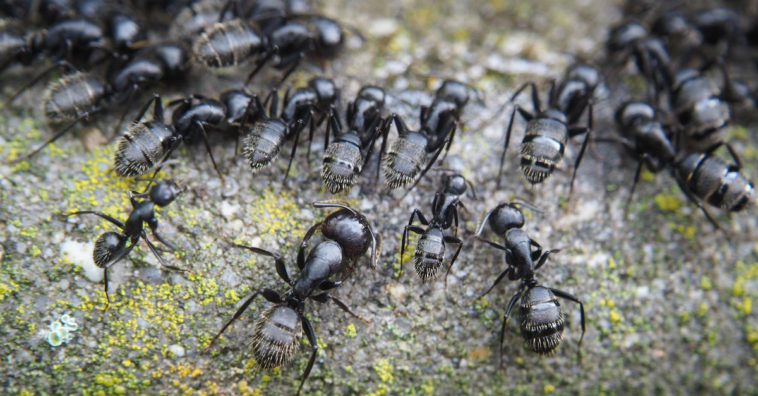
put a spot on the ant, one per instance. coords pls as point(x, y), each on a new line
point(548, 130)
point(149, 143)
point(111, 247)
point(78, 95)
point(344, 158)
point(277, 332)
point(542, 321)
point(430, 249)
point(408, 154)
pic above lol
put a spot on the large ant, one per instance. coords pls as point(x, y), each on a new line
point(277, 331)
point(542, 321)
point(111, 247)
point(548, 130)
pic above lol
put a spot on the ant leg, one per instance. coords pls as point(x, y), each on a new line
point(304, 244)
point(384, 131)
point(505, 147)
point(587, 132)
point(268, 294)
point(262, 62)
point(494, 244)
point(535, 97)
point(298, 128)
point(117, 223)
point(153, 224)
point(637, 174)
point(544, 257)
point(314, 347)
point(280, 267)
point(311, 129)
point(563, 294)
point(35, 80)
point(157, 255)
point(116, 258)
point(449, 239)
point(402, 129)
point(52, 139)
point(734, 155)
point(505, 320)
point(508, 271)
point(204, 135)
point(325, 297)
point(414, 229)
point(295, 63)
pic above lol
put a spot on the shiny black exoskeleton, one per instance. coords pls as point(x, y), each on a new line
point(263, 141)
point(227, 44)
point(277, 332)
point(430, 249)
point(73, 39)
point(408, 154)
point(149, 143)
point(159, 62)
point(698, 103)
point(548, 130)
point(630, 40)
point(645, 138)
point(310, 105)
point(345, 156)
point(706, 178)
point(292, 41)
point(503, 217)
point(351, 230)
point(542, 321)
point(111, 246)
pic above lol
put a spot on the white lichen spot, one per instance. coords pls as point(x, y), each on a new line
point(81, 254)
point(61, 330)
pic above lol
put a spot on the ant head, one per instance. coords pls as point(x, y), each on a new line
point(585, 73)
point(326, 90)
point(373, 93)
point(630, 111)
point(506, 217)
point(454, 91)
point(165, 192)
point(454, 183)
point(329, 36)
point(625, 35)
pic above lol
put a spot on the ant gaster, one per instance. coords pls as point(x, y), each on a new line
point(350, 229)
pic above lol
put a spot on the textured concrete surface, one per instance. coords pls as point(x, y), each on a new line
point(668, 299)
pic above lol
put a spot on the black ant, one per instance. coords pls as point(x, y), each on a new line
point(430, 249)
point(345, 157)
point(111, 247)
point(548, 130)
point(277, 331)
point(407, 156)
point(706, 178)
point(78, 95)
point(632, 40)
point(542, 321)
point(350, 229)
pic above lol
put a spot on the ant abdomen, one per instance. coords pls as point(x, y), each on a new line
point(72, 96)
point(430, 252)
point(541, 320)
point(108, 243)
point(141, 147)
point(261, 145)
point(276, 336)
point(227, 44)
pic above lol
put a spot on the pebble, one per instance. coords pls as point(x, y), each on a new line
point(176, 350)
